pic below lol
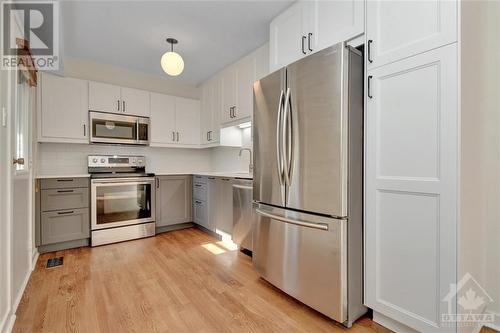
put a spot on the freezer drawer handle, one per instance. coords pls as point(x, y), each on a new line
point(320, 226)
point(242, 187)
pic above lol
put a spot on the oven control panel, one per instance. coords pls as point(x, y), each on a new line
point(114, 161)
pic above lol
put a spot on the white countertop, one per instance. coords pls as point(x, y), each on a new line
point(82, 175)
point(210, 174)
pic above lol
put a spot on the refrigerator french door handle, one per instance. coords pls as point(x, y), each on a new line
point(286, 140)
point(279, 147)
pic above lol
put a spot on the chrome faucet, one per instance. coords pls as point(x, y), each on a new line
point(250, 166)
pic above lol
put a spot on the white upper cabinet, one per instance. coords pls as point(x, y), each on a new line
point(287, 39)
point(206, 113)
point(310, 26)
point(237, 93)
point(229, 79)
point(399, 29)
point(174, 121)
point(135, 102)
point(110, 98)
point(334, 21)
point(187, 121)
point(104, 97)
point(162, 119)
point(411, 188)
point(244, 93)
point(210, 111)
point(62, 111)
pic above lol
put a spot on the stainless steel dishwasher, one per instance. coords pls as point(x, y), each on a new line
point(243, 215)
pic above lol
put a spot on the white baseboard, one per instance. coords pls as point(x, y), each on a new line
point(9, 324)
point(391, 324)
point(496, 324)
point(20, 293)
point(34, 258)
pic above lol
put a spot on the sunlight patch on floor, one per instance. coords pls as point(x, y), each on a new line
point(213, 248)
point(223, 246)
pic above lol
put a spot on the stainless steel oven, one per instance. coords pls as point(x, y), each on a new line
point(117, 128)
point(123, 199)
point(120, 202)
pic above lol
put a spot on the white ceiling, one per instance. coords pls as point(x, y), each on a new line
point(131, 34)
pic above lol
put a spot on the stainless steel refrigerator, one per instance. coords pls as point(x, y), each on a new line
point(308, 181)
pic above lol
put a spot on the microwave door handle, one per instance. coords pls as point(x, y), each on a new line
point(137, 131)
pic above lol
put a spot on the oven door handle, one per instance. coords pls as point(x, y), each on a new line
point(127, 181)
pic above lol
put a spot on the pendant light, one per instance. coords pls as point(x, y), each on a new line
point(171, 62)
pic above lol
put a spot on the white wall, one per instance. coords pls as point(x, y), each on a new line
point(89, 70)
point(479, 238)
point(57, 158)
point(226, 159)
point(4, 219)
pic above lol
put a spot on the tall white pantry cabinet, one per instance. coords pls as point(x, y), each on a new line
point(415, 120)
point(411, 162)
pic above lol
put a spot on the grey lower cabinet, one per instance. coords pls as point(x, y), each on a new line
point(66, 225)
point(173, 200)
point(62, 213)
point(213, 203)
point(224, 221)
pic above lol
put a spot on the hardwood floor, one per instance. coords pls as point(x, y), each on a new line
point(181, 281)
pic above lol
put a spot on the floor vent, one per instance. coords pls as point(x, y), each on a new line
point(53, 262)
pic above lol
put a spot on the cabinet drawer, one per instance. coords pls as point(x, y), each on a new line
point(200, 179)
point(200, 191)
point(200, 213)
point(66, 225)
point(60, 199)
point(63, 183)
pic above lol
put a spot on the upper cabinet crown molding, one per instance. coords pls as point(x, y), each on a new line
point(115, 99)
point(310, 26)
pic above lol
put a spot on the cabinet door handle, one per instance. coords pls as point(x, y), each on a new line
point(118, 103)
point(157, 183)
point(65, 191)
point(303, 39)
point(123, 106)
point(69, 212)
point(231, 112)
point(234, 111)
point(309, 35)
point(369, 51)
point(173, 136)
point(210, 136)
point(369, 92)
point(197, 185)
point(177, 136)
point(84, 130)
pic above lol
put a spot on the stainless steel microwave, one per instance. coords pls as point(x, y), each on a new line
point(118, 129)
